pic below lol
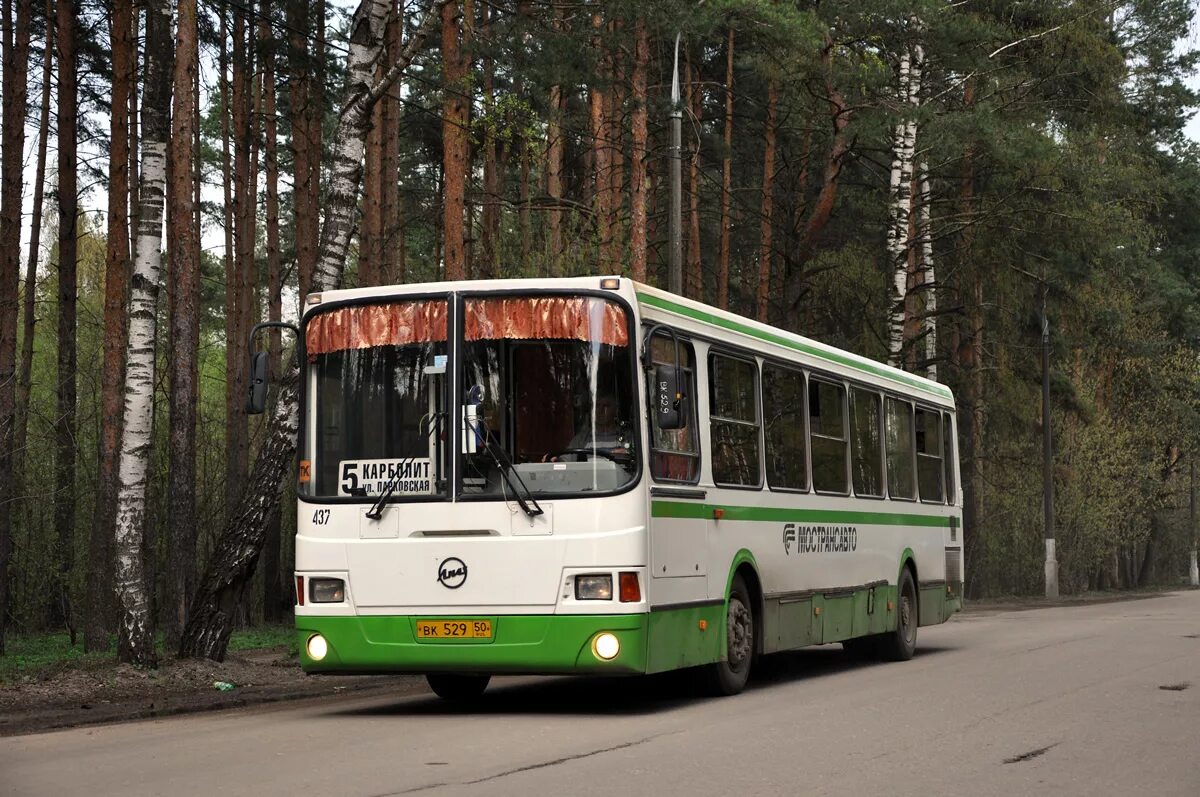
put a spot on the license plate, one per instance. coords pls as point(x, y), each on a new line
point(454, 629)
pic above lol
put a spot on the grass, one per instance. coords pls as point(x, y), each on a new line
point(37, 655)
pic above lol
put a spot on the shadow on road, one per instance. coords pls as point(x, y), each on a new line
point(625, 696)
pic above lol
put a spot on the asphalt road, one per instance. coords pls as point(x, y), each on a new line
point(1101, 699)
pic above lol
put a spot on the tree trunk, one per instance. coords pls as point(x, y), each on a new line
point(231, 566)
point(454, 143)
point(489, 232)
point(273, 583)
point(135, 642)
point(15, 79)
point(116, 283)
point(370, 232)
point(970, 353)
point(637, 157)
point(694, 266)
point(185, 330)
point(29, 321)
point(68, 292)
point(391, 268)
point(928, 276)
point(767, 208)
point(241, 269)
point(899, 239)
point(300, 70)
point(726, 181)
point(555, 152)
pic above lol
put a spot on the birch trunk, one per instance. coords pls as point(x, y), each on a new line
point(231, 568)
point(637, 159)
point(15, 79)
point(928, 276)
point(135, 641)
point(116, 283)
point(899, 240)
point(185, 330)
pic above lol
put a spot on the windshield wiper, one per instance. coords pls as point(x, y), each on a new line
point(376, 510)
point(508, 471)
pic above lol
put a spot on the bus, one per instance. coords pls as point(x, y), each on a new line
point(591, 475)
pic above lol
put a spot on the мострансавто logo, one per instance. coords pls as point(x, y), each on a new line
point(819, 539)
point(452, 573)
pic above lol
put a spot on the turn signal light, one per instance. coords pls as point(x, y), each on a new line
point(631, 591)
point(299, 590)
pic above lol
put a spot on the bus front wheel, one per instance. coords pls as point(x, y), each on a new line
point(729, 676)
point(451, 686)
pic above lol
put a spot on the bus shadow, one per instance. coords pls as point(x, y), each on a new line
point(623, 696)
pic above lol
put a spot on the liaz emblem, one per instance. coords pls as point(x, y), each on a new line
point(452, 573)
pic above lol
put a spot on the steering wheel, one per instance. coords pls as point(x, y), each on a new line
point(601, 452)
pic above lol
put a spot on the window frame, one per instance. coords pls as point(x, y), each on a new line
point(950, 455)
point(941, 457)
point(883, 494)
point(912, 440)
point(693, 403)
point(750, 359)
point(804, 379)
point(836, 382)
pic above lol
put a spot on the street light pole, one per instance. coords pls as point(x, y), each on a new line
point(1048, 457)
point(674, 155)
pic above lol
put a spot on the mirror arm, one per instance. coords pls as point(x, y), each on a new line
point(647, 360)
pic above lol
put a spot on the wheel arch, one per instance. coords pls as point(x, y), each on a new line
point(908, 561)
point(745, 565)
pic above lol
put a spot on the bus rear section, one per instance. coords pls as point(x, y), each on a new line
point(470, 472)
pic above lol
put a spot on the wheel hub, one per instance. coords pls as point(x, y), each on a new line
point(741, 633)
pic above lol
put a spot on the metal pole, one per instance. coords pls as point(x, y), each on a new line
point(1048, 457)
point(674, 155)
point(1195, 570)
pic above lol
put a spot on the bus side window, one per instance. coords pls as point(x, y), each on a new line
point(929, 457)
point(898, 434)
point(948, 458)
point(733, 421)
point(783, 419)
point(866, 453)
point(675, 453)
point(828, 436)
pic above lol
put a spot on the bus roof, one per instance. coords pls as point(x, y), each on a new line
point(727, 322)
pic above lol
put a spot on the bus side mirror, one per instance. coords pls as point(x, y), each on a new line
point(256, 402)
point(668, 398)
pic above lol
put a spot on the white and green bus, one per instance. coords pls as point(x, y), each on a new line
point(591, 475)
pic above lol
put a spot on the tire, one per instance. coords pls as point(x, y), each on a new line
point(451, 686)
point(900, 644)
point(729, 676)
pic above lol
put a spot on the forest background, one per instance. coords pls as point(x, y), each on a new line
point(918, 182)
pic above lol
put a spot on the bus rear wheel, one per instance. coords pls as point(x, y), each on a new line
point(452, 686)
point(900, 644)
point(729, 676)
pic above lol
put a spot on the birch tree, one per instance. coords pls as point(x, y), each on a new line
point(231, 568)
point(900, 199)
point(135, 640)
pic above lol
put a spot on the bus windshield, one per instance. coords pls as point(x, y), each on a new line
point(548, 394)
point(378, 425)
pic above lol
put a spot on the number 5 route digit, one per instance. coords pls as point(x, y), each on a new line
point(349, 477)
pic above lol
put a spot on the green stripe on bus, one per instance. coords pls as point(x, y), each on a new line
point(679, 509)
point(780, 340)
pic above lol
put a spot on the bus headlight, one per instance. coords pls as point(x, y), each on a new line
point(317, 647)
point(327, 590)
point(594, 587)
point(606, 646)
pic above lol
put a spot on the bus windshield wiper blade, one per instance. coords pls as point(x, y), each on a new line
point(508, 471)
point(376, 510)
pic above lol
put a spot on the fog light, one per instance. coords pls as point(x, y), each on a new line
point(593, 587)
point(327, 590)
point(606, 646)
point(317, 647)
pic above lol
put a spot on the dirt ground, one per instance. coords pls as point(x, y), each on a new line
point(107, 692)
